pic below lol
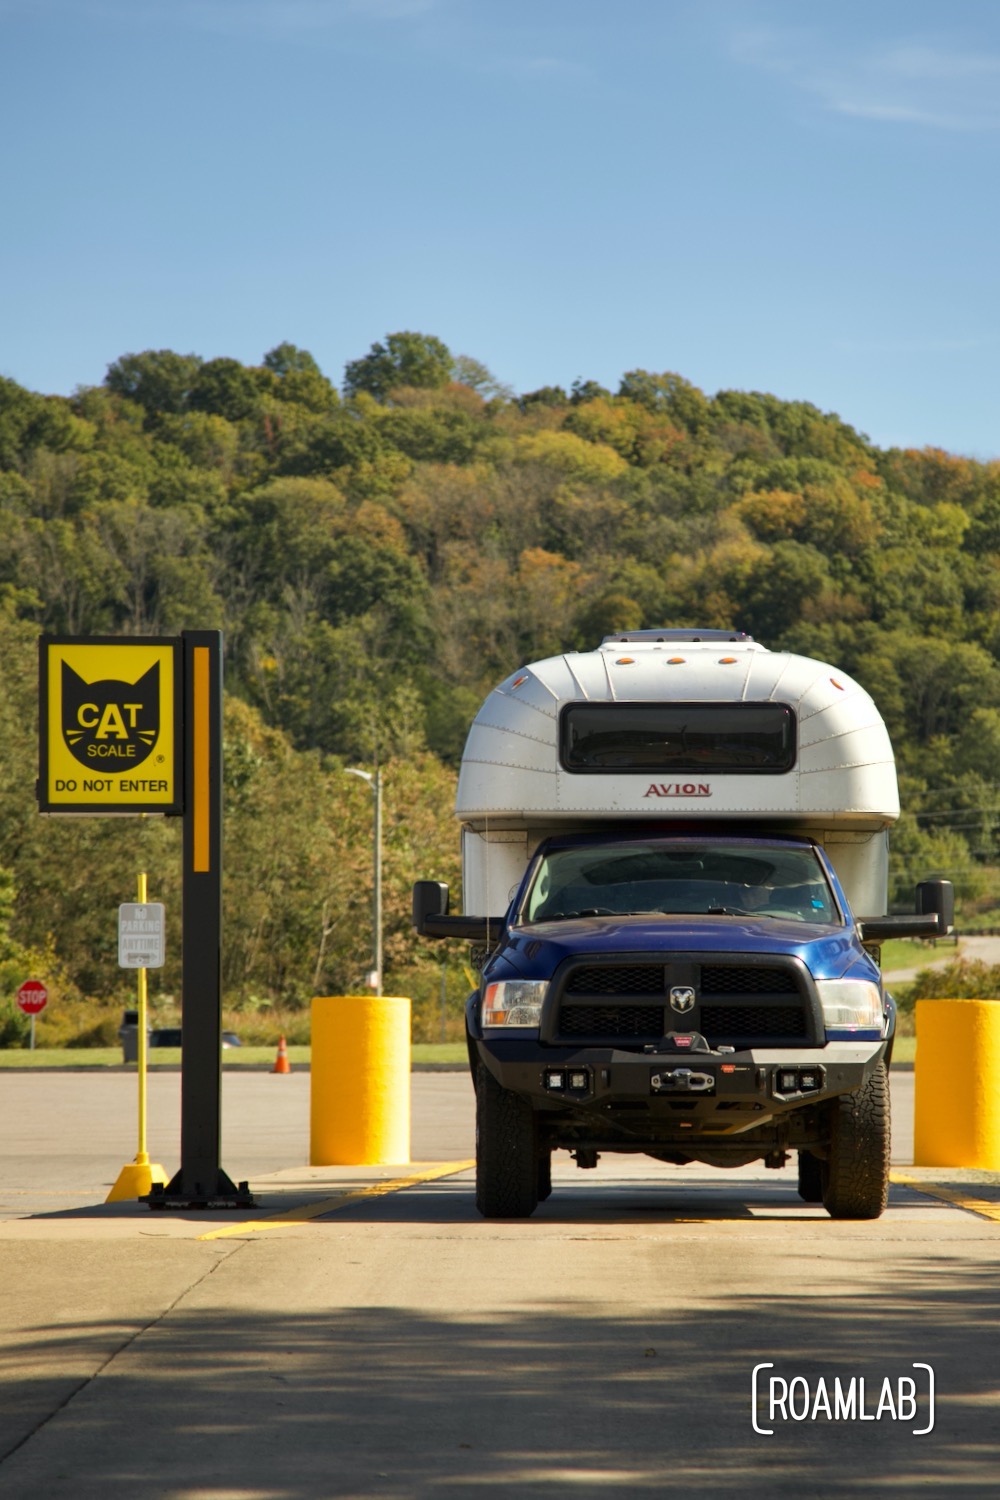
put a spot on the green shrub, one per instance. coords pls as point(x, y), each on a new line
point(965, 979)
point(265, 1026)
point(68, 1019)
point(15, 1027)
point(104, 1033)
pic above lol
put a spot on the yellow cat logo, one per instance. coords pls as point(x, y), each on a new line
point(109, 722)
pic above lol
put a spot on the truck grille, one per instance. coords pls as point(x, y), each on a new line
point(617, 979)
point(637, 1022)
point(738, 1004)
point(746, 979)
point(753, 1022)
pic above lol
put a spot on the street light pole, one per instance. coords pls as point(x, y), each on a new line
point(375, 782)
point(377, 880)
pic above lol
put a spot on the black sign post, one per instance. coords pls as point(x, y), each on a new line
point(201, 1181)
point(134, 725)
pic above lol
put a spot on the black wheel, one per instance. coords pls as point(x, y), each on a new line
point(544, 1175)
point(507, 1162)
point(810, 1178)
point(856, 1175)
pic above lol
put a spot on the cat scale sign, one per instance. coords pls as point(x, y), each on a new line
point(109, 721)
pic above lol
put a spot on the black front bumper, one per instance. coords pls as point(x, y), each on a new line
point(668, 1094)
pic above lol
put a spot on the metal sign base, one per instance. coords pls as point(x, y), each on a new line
point(226, 1195)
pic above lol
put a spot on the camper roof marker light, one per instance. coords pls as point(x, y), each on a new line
point(517, 681)
point(726, 661)
point(675, 661)
point(838, 685)
point(625, 661)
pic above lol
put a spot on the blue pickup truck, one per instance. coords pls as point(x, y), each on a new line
point(678, 968)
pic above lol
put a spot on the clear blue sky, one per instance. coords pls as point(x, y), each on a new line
point(759, 194)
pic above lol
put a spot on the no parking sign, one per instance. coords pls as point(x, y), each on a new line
point(141, 940)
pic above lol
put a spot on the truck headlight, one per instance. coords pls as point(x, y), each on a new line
point(514, 1002)
point(850, 1002)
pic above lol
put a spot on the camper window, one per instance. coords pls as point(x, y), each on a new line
point(747, 738)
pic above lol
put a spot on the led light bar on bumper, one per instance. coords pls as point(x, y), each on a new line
point(793, 1083)
point(567, 1080)
point(850, 1005)
point(514, 1002)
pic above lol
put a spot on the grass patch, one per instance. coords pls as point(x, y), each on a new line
point(904, 1049)
point(71, 1058)
point(911, 953)
point(75, 1058)
point(439, 1052)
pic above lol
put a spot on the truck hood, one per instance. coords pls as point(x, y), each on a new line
point(536, 951)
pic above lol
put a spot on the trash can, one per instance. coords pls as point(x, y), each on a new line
point(128, 1035)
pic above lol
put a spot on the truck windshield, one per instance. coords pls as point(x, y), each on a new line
point(689, 876)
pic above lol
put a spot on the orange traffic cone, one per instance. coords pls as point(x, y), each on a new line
point(281, 1063)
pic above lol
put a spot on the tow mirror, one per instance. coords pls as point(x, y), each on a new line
point(938, 897)
point(431, 918)
point(934, 917)
point(431, 898)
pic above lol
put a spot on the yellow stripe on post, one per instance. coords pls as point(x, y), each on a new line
point(956, 1096)
point(360, 1080)
point(201, 854)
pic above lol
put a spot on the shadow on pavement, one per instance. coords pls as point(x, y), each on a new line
point(545, 1400)
point(579, 1201)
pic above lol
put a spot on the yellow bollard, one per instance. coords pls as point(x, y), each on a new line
point(360, 1083)
point(956, 1077)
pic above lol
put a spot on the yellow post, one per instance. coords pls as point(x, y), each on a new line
point(956, 1098)
point(136, 1179)
point(142, 1157)
point(360, 1080)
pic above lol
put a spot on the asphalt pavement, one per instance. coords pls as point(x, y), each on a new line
point(365, 1333)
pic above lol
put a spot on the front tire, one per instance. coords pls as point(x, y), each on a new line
point(856, 1174)
point(544, 1175)
point(507, 1156)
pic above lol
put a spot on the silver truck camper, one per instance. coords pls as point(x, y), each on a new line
point(519, 783)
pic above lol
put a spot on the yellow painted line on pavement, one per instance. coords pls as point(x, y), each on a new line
point(342, 1200)
point(979, 1206)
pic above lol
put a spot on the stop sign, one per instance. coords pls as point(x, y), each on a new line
point(32, 997)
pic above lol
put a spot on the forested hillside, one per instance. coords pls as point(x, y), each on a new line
point(379, 555)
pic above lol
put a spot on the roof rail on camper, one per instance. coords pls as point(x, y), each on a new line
point(630, 637)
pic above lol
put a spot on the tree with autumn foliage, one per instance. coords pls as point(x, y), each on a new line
point(379, 556)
